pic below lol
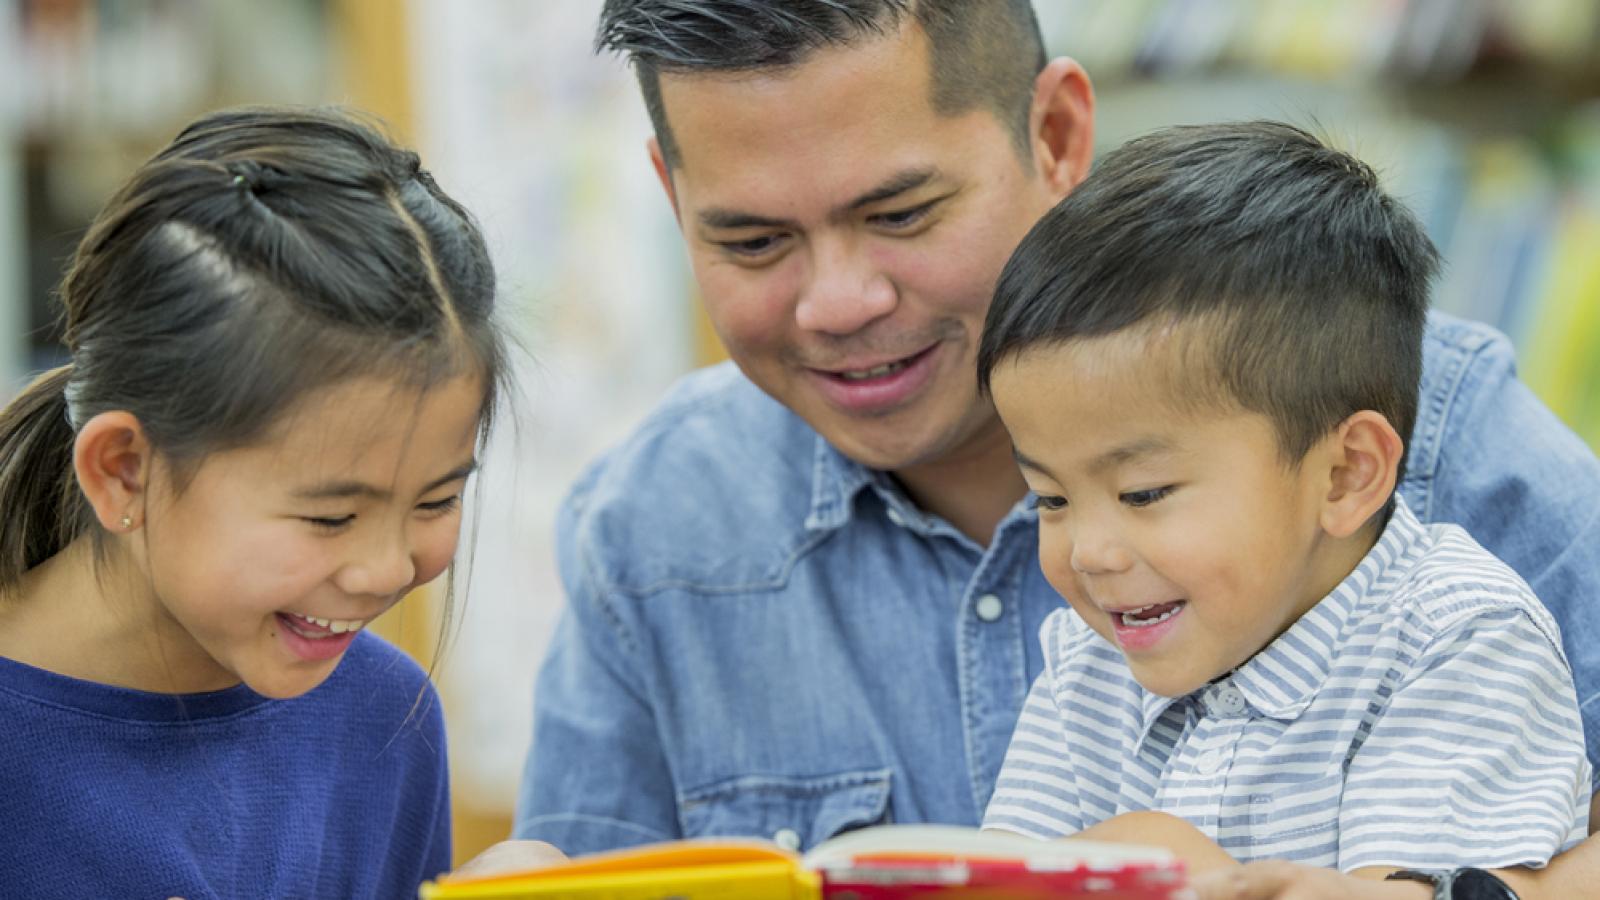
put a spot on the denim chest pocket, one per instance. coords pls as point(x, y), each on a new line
point(1296, 811)
point(787, 810)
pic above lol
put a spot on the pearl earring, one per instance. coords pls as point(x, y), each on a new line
point(127, 522)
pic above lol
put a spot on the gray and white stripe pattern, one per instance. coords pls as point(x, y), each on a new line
point(1421, 715)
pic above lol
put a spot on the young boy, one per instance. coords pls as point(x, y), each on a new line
point(1207, 357)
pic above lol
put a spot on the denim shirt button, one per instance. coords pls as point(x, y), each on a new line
point(896, 518)
point(990, 608)
point(787, 838)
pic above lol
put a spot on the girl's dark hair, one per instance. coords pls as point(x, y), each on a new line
point(265, 253)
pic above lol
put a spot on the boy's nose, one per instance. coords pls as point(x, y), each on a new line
point(1099, 553)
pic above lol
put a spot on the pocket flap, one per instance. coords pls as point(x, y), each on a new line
point(786, 809)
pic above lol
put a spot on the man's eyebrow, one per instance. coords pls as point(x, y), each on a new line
point(722, 218)
point(342, 490)
point(896, 184)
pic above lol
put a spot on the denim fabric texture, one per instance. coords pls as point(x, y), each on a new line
point(763, 638)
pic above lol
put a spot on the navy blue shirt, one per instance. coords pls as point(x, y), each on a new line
point(765, 638)
point(110, 792)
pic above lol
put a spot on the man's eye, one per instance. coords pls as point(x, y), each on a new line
point(753, 247)
point(1049, 502)
point(903, 218)
point(1146, 497)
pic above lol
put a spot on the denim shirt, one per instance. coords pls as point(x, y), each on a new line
point(764, 638)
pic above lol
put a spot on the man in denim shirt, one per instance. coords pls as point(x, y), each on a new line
point(804, 595)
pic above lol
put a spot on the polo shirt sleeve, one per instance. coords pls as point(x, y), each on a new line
point(1487, 455)
point(1036, 794)
point(1478, 759)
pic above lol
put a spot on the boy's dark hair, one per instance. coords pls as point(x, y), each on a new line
point(265, 253)
point(984, 52)
point(1308, 283)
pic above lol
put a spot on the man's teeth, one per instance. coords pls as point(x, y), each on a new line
point(875, 372)
point(1130, 619)
point(337, 626)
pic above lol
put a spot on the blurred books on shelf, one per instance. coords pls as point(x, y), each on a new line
point(1483, 115)
point(877, 863)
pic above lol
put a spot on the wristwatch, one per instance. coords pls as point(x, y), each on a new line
point(1458, 884)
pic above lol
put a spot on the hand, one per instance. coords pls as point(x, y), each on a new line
point(510, 856)
point(1275, 879)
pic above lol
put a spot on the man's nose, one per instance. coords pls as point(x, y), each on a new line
point(844, 292)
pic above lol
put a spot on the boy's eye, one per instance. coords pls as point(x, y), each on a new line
point(335, 523)
point(1145, 497)
point(1049, 502)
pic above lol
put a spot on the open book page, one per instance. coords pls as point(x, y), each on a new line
point(876, 863)
point(968, 843)
point(923, 861)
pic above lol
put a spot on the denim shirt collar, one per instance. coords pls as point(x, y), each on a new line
point(1280, 681)
point(836, 479)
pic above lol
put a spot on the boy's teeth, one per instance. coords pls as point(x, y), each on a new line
point(1130, 617)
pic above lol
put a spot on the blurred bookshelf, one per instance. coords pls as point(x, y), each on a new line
point(1484, 115)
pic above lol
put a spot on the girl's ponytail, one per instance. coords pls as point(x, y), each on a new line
point(38, 492)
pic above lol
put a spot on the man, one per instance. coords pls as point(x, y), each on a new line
point(804, 595)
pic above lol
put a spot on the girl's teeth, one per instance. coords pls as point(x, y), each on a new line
point(337, 626)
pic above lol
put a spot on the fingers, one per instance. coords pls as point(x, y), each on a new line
point(510, 856)
point(1265, 880)
point(1275, 879)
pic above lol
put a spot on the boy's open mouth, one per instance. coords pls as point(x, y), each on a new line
point(1146, 616)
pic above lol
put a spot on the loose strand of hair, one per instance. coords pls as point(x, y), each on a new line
point(37, 489)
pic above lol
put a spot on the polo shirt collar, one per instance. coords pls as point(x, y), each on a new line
point(1281, 681)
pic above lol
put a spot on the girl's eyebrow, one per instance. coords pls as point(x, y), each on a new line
point(338, 490)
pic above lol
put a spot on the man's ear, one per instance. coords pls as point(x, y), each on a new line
point(1365, 454)
point(1061, 125)
point(111, 458)
point(663, 172)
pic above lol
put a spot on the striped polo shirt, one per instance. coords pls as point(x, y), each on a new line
point(1421, 715)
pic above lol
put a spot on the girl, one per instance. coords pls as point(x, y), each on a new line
point(282, 364)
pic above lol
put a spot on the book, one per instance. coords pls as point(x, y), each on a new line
point(876, 863)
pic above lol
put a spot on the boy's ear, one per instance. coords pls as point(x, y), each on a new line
point(1061, 125)
point(111, 458)
point(1365, 455)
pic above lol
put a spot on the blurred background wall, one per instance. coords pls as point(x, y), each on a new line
point(1483, 114)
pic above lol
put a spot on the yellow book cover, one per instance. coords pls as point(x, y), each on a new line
point(878, 863)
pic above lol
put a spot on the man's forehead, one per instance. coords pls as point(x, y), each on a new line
point(837, 94)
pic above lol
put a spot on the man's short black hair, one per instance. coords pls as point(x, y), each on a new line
point(1307, 284)
point(985, 52)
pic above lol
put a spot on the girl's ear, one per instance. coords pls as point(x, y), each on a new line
point(111, 458)
point(1366, 452)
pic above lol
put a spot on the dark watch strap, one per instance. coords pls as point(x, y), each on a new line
point(1458, 884)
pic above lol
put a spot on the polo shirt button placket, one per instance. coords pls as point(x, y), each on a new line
point(1228, 701)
